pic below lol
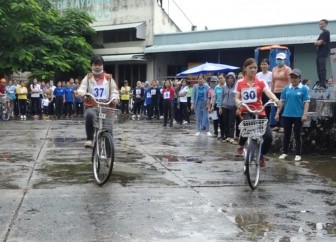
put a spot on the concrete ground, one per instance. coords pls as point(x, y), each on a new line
point(167, 185)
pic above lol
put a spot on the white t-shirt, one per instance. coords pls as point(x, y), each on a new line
point(184, 90)
point(37, 89)
point(265, 77)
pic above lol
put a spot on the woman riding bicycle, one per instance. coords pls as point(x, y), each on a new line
point(102, 87)
point(249, 90)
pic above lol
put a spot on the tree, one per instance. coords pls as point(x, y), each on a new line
point(35, 37)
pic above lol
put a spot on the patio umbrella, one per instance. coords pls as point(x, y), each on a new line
point(206, 68)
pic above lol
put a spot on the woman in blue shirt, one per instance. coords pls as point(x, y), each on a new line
point(295, 102)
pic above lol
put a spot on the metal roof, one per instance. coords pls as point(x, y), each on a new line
point(299, 33)
point(117, 26)
point(129, 57)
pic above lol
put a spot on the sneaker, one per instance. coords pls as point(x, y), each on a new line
point(262, 161)
point(198, 134)
point(185, 122)
point(24, 117)
point(283, 156)
point(21, 117)
point(240, 150)
point(209, 134)
point(297, 158)
point(232, 141)
point(88, 144)
point(161, 117)
point(133, 117)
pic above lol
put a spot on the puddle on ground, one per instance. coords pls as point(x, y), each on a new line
point(175, 158)
point(63, 142)
point(323, 166)
point(254, 224)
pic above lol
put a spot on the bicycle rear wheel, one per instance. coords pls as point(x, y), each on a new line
point(103, 157)
point(252, 164)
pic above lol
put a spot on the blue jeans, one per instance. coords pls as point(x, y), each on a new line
point(202, 116)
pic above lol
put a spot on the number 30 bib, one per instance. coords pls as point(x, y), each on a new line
point(249, 95)
point(99, 92)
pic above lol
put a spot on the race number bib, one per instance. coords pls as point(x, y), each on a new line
point(166, 95)
point(99, 92)
point(249, 95)
point(149, 95)
point(153, 91)
point(137, 91)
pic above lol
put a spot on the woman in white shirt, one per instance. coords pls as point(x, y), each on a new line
point(35, 96)
point(266, 76)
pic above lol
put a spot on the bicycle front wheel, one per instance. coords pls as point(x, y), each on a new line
point(252, 164)
point(103, 157)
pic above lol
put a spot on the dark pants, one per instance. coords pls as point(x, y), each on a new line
point(278, 123)
point(137, 107)
point(79, 108)
point(51, 107)
point(229, 119)
point(149, 111)
point(221, 123)
point(288, 123)
point(23, 106)
point(167, 112)
point(155, 108)
point(184, 111)
point(124, 106)
point(68, 108)
point(59, 106)
point(321, 69)
point(36, 106)
point(268, 137)
point(268, 108)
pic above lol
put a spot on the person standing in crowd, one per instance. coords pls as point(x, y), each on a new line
point(50, 95)
point(3, 86)
point(148, 100)
point(266, 76)
point(323, 50)
point(212, 104)
point(249, 91)
point(69, 100)
point(155, 92)
point(91, 83)
point(280, 79)
point(79, 108)
point(125, 92)
point(22, 93)
point(59, 95)
point(168, 94)
point(228, 108)
point(45, 105)
point(218, 104)
point(183, 102)
point(295, 102)
point(36, 91)
point(11, 90)
point(199, 103)
point(138, 98)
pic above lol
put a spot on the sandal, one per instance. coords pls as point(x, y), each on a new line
point(281, 130)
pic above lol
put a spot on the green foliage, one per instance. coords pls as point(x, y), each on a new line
point(35, 37)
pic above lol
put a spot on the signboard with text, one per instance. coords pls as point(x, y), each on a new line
point(101, 10)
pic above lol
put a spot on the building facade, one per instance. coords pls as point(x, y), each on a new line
point(124, 29)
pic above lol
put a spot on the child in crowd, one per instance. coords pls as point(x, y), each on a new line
point(45, 105)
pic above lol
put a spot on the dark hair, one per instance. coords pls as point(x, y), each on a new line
point(264, 61)
point(324, 20)
point(248, 62)
point(97, 60)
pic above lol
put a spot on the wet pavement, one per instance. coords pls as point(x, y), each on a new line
point(167, 185)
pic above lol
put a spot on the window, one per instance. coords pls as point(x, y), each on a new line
point(120, 35)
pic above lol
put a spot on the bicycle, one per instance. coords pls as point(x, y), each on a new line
point(253, 129)
point(6, 108)
point(103, 145)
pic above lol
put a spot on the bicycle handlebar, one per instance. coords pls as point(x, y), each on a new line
point(269, 102)
point(96, 101)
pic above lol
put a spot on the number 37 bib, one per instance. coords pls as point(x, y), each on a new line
point(249, 95)
point(99, 92)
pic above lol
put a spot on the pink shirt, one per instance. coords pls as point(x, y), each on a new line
point(280, 78)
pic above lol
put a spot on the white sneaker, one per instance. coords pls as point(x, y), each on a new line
point(24, 117)
point(198, 134)
point(138, 117)
point(209, 134)
point(161, 117)
point(88, 144)
point(283, 157)
point(21, 117)
point(297, 158)
point(185, 122)
point(133, 117)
